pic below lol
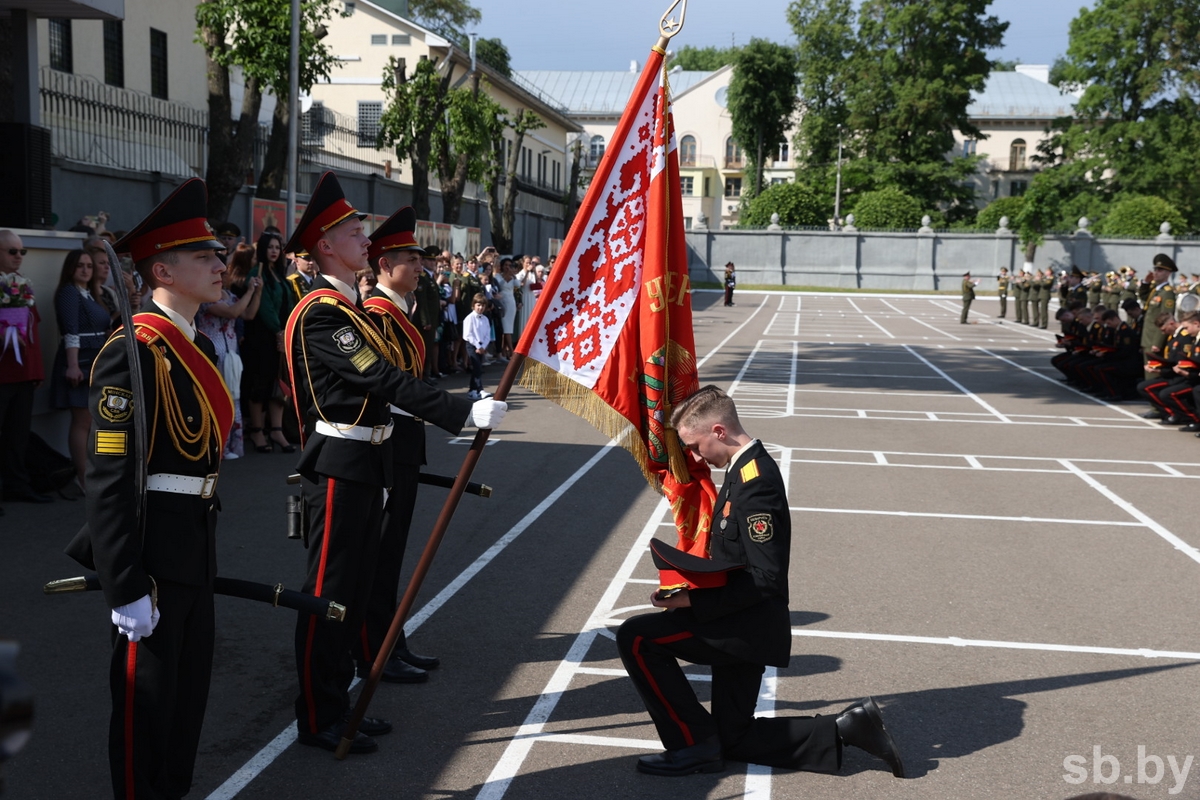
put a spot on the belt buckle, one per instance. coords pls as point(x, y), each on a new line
point(377, 434)
point(209, 487)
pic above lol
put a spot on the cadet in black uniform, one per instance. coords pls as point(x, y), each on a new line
point(158, 580)
point(344, 379)
point(395, 257)
point(738, 629)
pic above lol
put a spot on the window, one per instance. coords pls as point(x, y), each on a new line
point(777, 181)
point(708, 187)
point(595, 150)
point(349, 9)
point(61, 56)
point(969, 147)
point(158, 64)
point(556, 170)
point(785, 152)
point(1016, 156)
point(312, 126)
point(733, 154)
point(1018, 188)
point(733, 187)
point(686, 185)
point(369, 112)
point(687, 151)
point(687, 223)
point(378, 38)
point(114, 52)
point(401, 38)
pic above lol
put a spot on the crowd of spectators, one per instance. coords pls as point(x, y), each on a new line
point(260, 287)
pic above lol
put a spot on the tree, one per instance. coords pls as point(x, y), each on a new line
point(825, 40)
point(887, 209)
point(450, 17)
point(463, 146)
point(702, 59)
point(989, 217)
point(762, 100)
point(911, 76)
point(416, 107)
point(1138, 216)
point(502, 208)
point(493, 53)
point(1137, 63)
point(796, 204)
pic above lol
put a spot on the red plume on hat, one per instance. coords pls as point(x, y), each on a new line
point(326, 208)
point(178, 223)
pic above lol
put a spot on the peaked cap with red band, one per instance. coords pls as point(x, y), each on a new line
point(179, 223)
point(327, 207)
point(676, 567)
point(397, 233)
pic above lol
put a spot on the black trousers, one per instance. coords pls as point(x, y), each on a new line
point(159, 692)
point(343, 543)
point(16, 411)
point(1177, 397)
point(650, 646)
point(385, 587)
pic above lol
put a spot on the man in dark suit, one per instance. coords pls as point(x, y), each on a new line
point(396, 258)
point(344, 378)
point(158, 575)
point(428, 313)
point(739, 628)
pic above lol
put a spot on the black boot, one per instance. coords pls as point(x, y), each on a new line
point(861, 726)
point(702, 757)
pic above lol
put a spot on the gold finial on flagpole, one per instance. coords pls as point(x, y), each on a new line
point(668, 25)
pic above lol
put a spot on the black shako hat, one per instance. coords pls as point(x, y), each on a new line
point(178, 223)
point(327, 207)
point(397, 233)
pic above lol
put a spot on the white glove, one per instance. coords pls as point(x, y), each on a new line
point(487, 413)
point(137, 619)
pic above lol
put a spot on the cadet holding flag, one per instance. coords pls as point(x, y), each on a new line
point(156, 553)
point(344, 379)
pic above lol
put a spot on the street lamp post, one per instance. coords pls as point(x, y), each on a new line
point(837, 197)
point(293, 118)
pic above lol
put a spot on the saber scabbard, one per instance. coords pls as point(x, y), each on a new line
point(230, 587)
point(429, 479)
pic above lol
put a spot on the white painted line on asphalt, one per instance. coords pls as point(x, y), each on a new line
point(872, 375)
point(1062, 385)
point(601, 741)
point(872, 512)
point(1171, 470)
point(938, 330)
point(898, 311)
point(735, 332)
point(501, 776)
point(984, 404)
point(1193, 464)
point(861, 414)
point(263, 758)
point(791, 394)
point(1133, 511)
point(890, 393)
point(957, 642)
point(758, 777)
point(745, 367)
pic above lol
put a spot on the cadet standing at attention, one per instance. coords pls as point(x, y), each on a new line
point(1045, 292)
point(1023, 290)
point(1159, 298)
point(968, 295)
point(343, 384)
point(158, 578)
point(1035, 290)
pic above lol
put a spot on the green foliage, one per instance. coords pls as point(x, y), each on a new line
point(702, 59)
point(796, 204)
point(450, 17)
point(1005, 66)
point(414, 109)
point(1140, 216)
point(1138, 64)
point(887, 209)
point(989, 217)
point(761, 100)
point(825, 40)
point(256, 37)
point(493, 53)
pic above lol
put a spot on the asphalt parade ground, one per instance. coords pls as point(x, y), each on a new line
point(1008, 566)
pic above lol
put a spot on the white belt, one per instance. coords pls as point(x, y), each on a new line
point(194, 485)
point(359, 433)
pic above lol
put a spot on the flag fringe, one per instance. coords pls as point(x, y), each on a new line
point(583, 402)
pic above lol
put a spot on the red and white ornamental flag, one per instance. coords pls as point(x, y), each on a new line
point(610, 338)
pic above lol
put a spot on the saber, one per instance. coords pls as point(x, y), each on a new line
point(429, 479)
point(230, 587)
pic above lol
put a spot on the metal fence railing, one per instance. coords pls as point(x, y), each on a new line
point(94, 123)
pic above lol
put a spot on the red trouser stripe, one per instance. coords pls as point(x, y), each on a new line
point(1152, 393)
point(312, 622)
point(130, 683)
point(637, 653)
point(1175, 399)
point(366, 645)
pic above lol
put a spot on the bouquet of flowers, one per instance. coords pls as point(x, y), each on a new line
point(16, 319)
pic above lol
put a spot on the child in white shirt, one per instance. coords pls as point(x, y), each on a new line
point(477, 333)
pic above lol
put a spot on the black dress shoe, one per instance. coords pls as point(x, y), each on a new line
point(1153, 415)
point(1191, 427)
point(374, 726)
point(861, 726)
point(396, 671)
point(27, 497)
point(331, 737)
point(411, 658)
point(1171, 420)
point(702, 757)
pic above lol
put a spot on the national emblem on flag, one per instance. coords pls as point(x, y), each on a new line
point(611, 336)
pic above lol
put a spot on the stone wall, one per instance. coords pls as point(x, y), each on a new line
point(910, 260)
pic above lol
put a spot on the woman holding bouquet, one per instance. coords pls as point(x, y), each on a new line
point(84, 325)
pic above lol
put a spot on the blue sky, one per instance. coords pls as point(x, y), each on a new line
point(607, 35)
